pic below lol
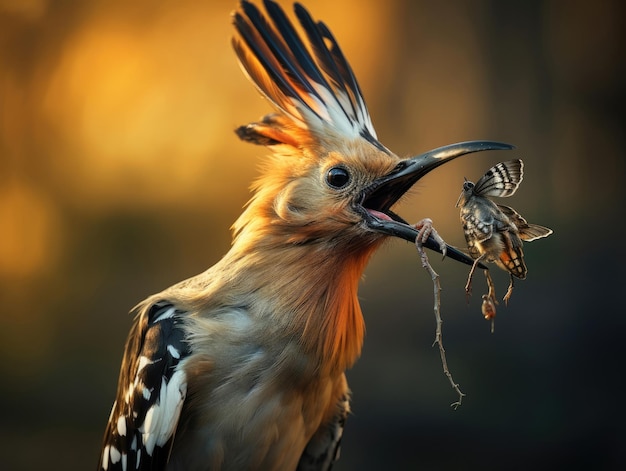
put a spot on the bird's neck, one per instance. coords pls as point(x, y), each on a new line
point(308, 292)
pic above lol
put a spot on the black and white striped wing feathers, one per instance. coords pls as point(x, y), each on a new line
point(323, 449)
point(151, 391)
point(501, 180)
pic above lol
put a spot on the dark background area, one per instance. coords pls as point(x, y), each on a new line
point(120, 174)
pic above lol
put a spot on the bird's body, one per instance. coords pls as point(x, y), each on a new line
point(242, 366)
point(493, 232)
point(268, 346)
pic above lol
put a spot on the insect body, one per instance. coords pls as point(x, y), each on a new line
point(494, 232)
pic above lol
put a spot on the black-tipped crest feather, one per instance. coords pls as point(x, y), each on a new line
point(310, 81)
point(278, 83)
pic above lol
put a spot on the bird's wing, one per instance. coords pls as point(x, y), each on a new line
point(527, 232)
point(323, 449)
point(151, 391)
point(311, 81)
point(501, 180)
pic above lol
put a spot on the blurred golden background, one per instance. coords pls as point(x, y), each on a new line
point(120, 174)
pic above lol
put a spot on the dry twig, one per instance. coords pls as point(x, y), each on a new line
point(437, 309)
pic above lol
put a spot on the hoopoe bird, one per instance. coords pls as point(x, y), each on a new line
point(495, 232)
point(243, 366)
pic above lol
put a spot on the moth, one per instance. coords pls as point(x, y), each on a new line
point(494, 232)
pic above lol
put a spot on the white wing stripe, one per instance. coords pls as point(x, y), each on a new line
point(162, 418)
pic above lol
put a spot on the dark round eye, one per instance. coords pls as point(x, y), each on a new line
point(337, 178)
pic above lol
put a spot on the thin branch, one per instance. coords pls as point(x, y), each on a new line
point(437, 309)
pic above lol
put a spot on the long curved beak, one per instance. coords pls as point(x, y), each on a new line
point(387, 190)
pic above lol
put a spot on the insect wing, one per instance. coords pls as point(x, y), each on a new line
point(527, 232)
point(511, 258)
point(500, 180)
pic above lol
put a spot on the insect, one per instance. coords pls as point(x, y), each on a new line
point(494, 232)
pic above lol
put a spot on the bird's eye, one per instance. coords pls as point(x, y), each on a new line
point(338, 178)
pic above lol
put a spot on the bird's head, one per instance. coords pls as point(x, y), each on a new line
point(329, 178)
